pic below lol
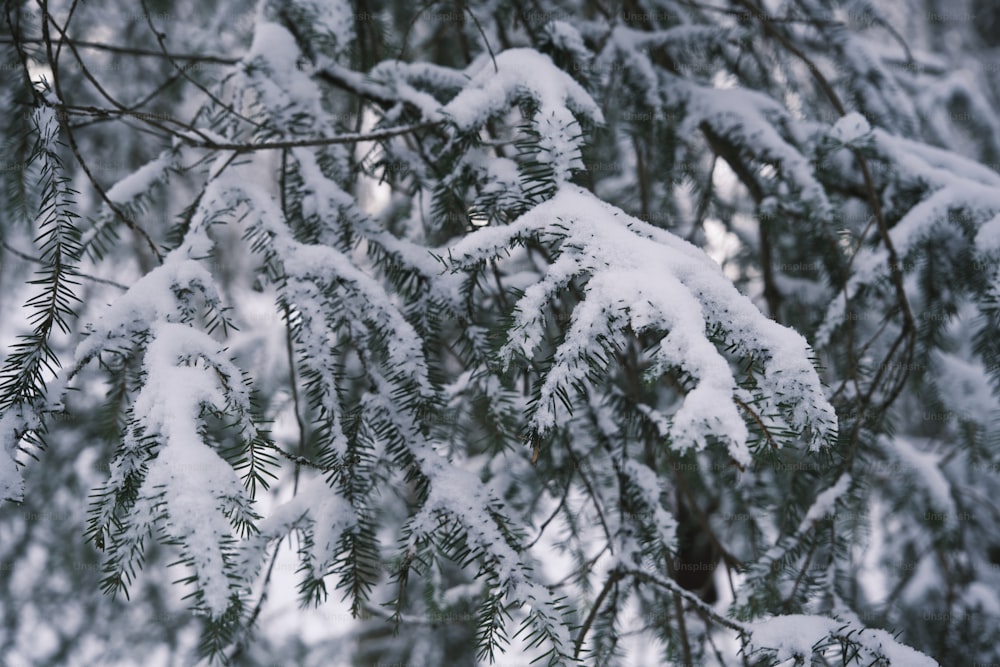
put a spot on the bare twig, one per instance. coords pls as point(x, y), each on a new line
point(56, 82)
point(34, 260)
point(130, 51)
point(351, 138)
point(613, 578)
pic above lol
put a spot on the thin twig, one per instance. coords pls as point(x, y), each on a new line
point(161, 40)
point(700, 604)
point(351, 138)
point(757, 420)
point(613, 578)
point(131, 51)
point(76, 274)
point(545, 524)
point(682, 627)
point(56, 82)
point(485, 39)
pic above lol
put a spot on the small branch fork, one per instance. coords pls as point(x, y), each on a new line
point(620, 573)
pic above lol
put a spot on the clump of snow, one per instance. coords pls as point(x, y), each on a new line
point(926, 466)
point(526, 73)
point(274, 73)
point(154, 297)
point(317, 507)
point(186, 370)
point(518, 72)
point(334, 19)
point(565, 36)
point(850, 128)
point(651, 489)
point(793, 637)
point(141, 180)
point(955, 185)
point(988, 237)
point(458, 495)
point(412, 82)
point(879, 642)
point(316, 274)
point(275, 46)
point(825, 502)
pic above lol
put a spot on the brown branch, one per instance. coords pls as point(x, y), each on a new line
point(757, 420)
point(593, 495)
point(613, 578)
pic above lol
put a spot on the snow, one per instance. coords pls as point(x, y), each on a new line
point(634, 278)
point(44, 117)
point(482, 91)
point(185, 370)
point(329, 514)
point(823, 506)
point(519, 72)
point(157, 296)
point(331, 201)
point(955, 184)
point(524, 73)
point(752, 120)
point(142, 180)
point(459, 495)
point(825, 502)
point(333, 18)
point(13, 420)
point(625, 46)
point(172, 394)
point(965, 388)
point(921, 220)
point(273, 72)
point(187, 476)
point(881, 642)
point(565, 36)
point(988, 237)
point(274, 45)
point(188, 489)
point(793, 637)
point(406, 80)
point(850, 128)
point(937, 165)
point(311, 269)
point(644, 278)
point(982, 596)
point(651, 491)
point(926, 467)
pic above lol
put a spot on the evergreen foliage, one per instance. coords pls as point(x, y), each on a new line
point(548, 330)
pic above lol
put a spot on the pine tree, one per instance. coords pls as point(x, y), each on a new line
point(552, 331)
